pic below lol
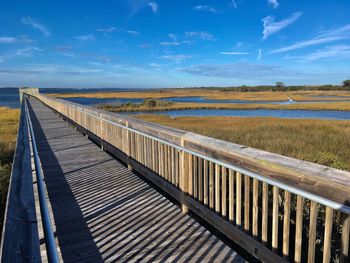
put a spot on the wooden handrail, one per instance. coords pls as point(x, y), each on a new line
point(239, 186)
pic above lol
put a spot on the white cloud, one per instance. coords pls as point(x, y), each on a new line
point(176, 58)
point(324, 37)
point(154, 6)
point(132, 32)
point(331, 52)
point(259, 54)
point(273, 3)
point(201, 34)
point(206, 8)
point(107, 30)
point(271, 27)
point(28, 51)
point(169, 43)
point(173, 36)
point(8, 40)
point(85, 37)
point(29, 21)
point(234, 53)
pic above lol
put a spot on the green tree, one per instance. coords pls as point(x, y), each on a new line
point(280, 84)
point(346, 83)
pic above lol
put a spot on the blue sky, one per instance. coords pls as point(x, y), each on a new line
point(163, 43)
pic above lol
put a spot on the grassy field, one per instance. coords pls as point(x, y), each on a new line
point(320, 141)
point(8, 132)
point(214, 94)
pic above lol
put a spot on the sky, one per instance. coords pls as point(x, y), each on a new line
point(167, 43)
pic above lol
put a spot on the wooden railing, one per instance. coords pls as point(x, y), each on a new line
point(276, 208)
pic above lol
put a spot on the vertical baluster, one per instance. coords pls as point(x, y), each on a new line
point(255, 207)
point(211, 185)
point(217, 188)
point(299, 229)
point(312, 232)
point(190, 174)
point(200, 179)
point(205, 182)
point(231, 195)
point(223, 192)
point(246, 202)
point(265, 209)
point(327, 235)
point(344, 250)
point(286, 224)
point(173, 166)
point(239, 199)
point(275, 218)
point(195, 177)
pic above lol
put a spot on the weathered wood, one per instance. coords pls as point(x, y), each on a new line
point(255, 226)
point(231, 195)
point(246, 202)
point(264, 221)
point(217, 188)
point(345, 239)
point(238, 199)
point(286, 224)
point(223, 192)
point(114, 216)
point(299, 229)
point(312, 232)
point(327, 235)
point(205, 182)
point(275, 206)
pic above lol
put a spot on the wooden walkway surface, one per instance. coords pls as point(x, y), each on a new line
point(104, 212)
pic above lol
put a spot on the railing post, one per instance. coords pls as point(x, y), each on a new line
point(128, 145)
point(184, 174)
point(101, 131)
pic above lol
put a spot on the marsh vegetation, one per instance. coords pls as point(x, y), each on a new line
point(8, 131)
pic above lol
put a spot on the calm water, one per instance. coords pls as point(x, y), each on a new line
point(9, 96)
point(96, 101)
point(289, 114)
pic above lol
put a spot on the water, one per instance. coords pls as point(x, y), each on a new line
point(194, 99)
point(329, 97)
point(289, 114)
point(9, 97)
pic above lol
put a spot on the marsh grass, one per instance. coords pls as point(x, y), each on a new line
point(325, 142)
point(8, 131)
point(300, 95)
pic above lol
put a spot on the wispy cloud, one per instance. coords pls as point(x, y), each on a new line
point(273, 3)
point(324, 37)
point(234, 3)
point(259, 54)
point(173, 36)
point(237, 70)
point(107, 30)
point(27, 51)
point(201, 34)
point(29, 21)
point(330, 52)
point(154, 6)
point(271, 27)
point(85, 37)
point(132, 32)
point(169, 43)
point(206, 8)
point(176, 58)
point(8, 40)
point(234, 53)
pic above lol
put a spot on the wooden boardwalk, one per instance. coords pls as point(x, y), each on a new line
point(104, 212)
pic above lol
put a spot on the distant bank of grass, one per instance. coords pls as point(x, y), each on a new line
point(299, 95)
point(320, 141)
point(166, 106)
point(8, 131)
